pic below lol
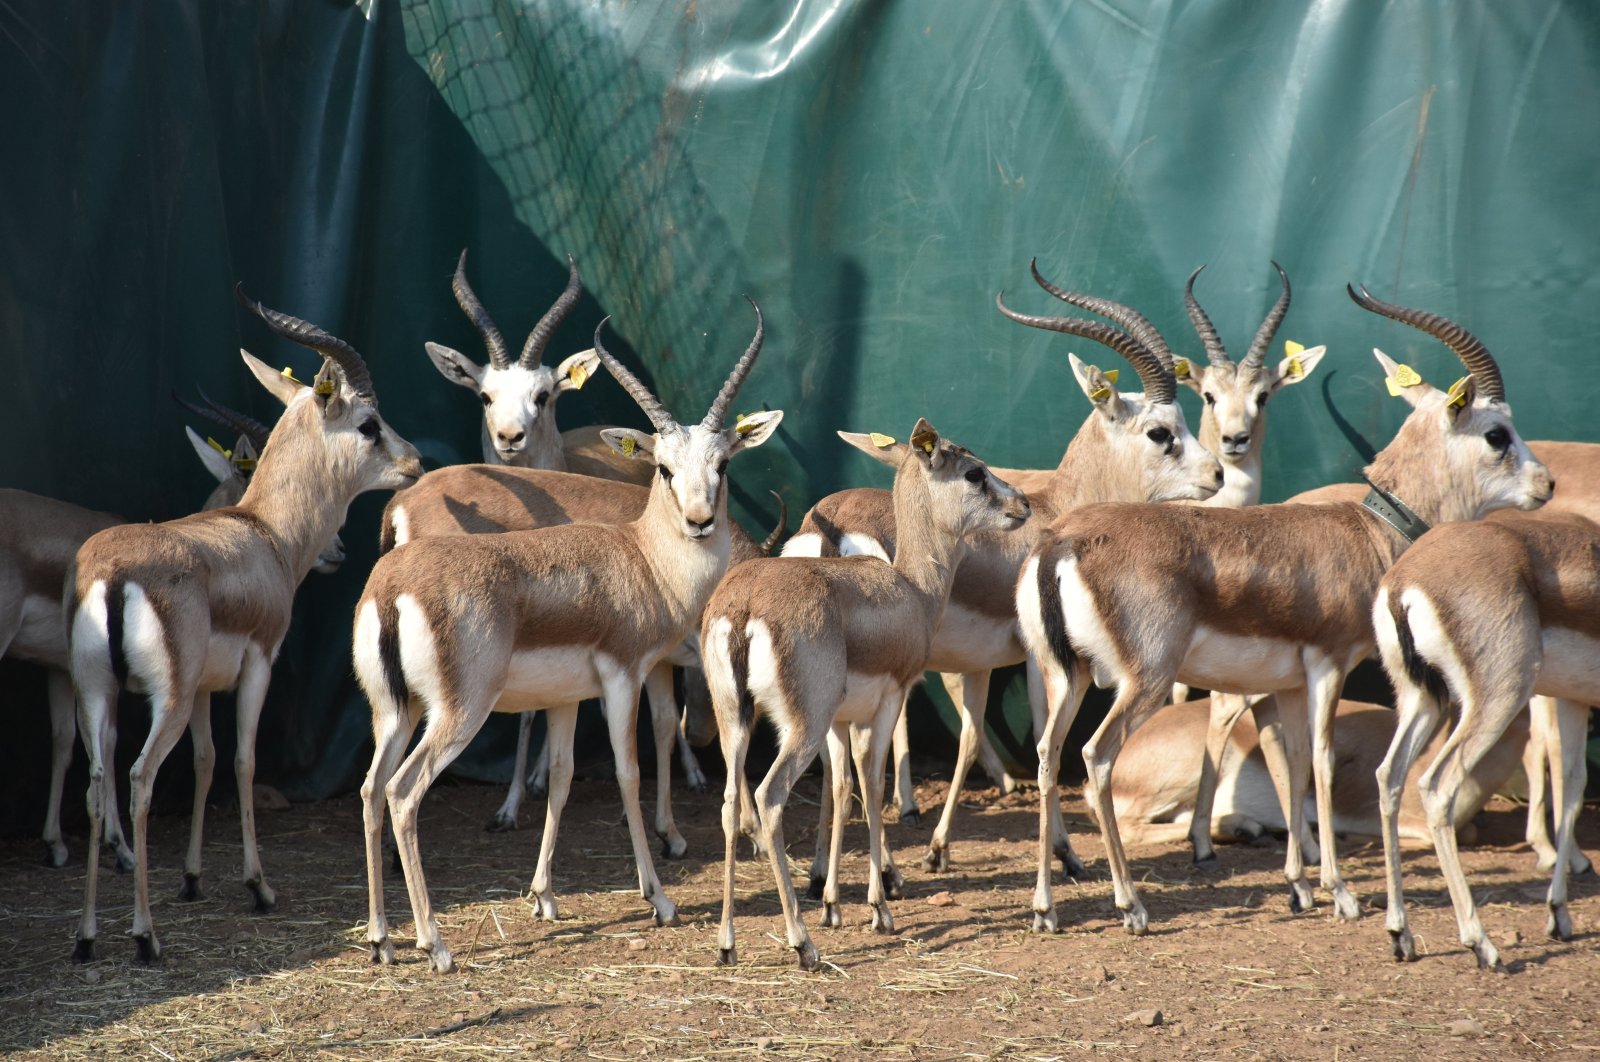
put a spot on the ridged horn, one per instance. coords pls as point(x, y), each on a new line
point(539, 338)
point(1468, 347)
point(306, 334)
point(231, 419)
point(1159, 384)
point(1135, 322)
point(1216, 353)
point(770, 543)
point(659, 417)
point(719, 409)
point(467, 299)
point(1269, 327)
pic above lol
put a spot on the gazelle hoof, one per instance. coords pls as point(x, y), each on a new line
point(697, 782)
point(882, 920)
point(806, 954)
point(911, 817)
point(1345, 907)
point(83, 950)
point(441, 961)
point(1207, 861)
point(266, 902)
point(1136, 921)
point(1008, 785)
point(831, 918)
point(124, 863)
point(191, 888)
point(727, 956)
point(382, 952)
point(894, 886)
point(1404, 948)
point(1045, 922)
point(502, 822)
point(544, 906)
point(673, 847)
point(1488, 957)
point(1559, 925)
point(146, 951)
point(937, 861)
point(55, 854)
point(667, 917)
point(1300, 898)
point(814, 886)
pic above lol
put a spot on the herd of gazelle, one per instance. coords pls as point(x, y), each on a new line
point(959, 569)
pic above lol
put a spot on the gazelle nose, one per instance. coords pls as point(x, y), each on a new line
point(1236, 440)
point(512, 440)
point(701, 525)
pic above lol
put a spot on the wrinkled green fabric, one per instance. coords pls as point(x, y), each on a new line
point(871, 173)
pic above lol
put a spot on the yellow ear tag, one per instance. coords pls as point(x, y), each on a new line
point(218, 447)
point(629, 445)
point(1404, 376)
point(1112, 374)
point(323, 388)
point(1292, 351)
point(743, 425)
point(925, 441)
point(1180, 368)
point(288, 374)
point(578, 375)
point(1457, 395)
point(245, 464)
point(927, 446)
point(1101, 393)
point(882, 442)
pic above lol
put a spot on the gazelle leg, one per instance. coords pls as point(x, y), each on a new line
point(697, 716)
point(1063, 693)
point(63, 732)
point(798, 748)
point(1286, 747)
point(392, 727)
point(821, 861)
point(251, 695)
point(664, 725)
point(559, 724)
point(905, 790)
point(1226, 708)
point(871, 746)
point(505, 817)
point(735, 794)
point(167, 722)
point(970, 693)
point(1536, 765)
point(112, 837)
point(1136, 701)
point(622, 719)
point(205, 762)
point(836, 756)
point(1568, 773)
point(1419, 714)
point(1322, 698)
point(95, 708)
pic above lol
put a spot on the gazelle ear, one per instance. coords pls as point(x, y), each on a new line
point(878, 447)
point(1184, 371)
point(1298, 365)
point(244, 456)
point(575, 371)
point(1458, 400)
point(753, 429)
point(1402, 380)
point(926, 444)
point(328, 388)
point(212, 457)
point(1100, 386)
point(455, 366)
point(281, 386)
point(628, 442)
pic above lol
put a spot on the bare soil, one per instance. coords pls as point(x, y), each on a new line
point(1231, 972)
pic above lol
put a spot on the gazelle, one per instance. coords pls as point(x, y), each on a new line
point(821, 644)
point(1154, 782)
point(460, 627)
point(519, 395)
point(1132, 447)
point(1489, 614)
point(490, 499)
point(1268, 599)
point(181, 609)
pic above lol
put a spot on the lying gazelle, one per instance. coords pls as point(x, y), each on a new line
point(1154, 782)
point(490, 499)
point(1489, 614)
point(823, 644)
point(1132, 447)
point(527, 620)
point(1268, 599)
point(181, 609)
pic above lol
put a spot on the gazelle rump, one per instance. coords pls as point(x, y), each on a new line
point(1267, 599)
point(490, 499)
point(181, 609)
point(821, 645)
point(457, 627)
point(1489, 614)
point(1132, 447)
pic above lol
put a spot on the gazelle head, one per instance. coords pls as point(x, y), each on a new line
point(1236, 393)
point(691, 462)
point(232, 469)
point(518, 396)
point(1144, 430)
point(963, 496)
point(339, 409)
point(1458, 449)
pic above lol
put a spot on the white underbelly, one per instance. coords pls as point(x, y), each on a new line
point(864, 695)
point(41, 636)
point(1571, 667)
point(539, 678)
point(968, 640)
point(1233, 663)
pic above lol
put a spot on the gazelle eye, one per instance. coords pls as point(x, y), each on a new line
point(370, 428)
point(1210, 398)
point(1498, 438)
point(541, 398)
point(1159, 436)
point(722, 466)
point(486, 399)
point(666, 473)
point(1261, 399)
point(974, 475)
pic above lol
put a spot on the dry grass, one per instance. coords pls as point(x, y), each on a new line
point(1232, 972)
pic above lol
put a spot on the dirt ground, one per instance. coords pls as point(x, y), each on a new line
point(1232, 973)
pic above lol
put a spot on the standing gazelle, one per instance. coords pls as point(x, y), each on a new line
point(459, 627)
point(1489, 614)
point(819, 644)
point(185, 608)
point(1267, 599)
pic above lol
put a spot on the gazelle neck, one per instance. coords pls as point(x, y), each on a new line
point(1241, 474)
point(925, 554)
point(297, 492)
point(1090, 472)
point(686, 570)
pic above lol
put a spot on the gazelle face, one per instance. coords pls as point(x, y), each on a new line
point(1153, 437)
point(971, 496)
point(1235, 393)
point(361, 442)
point(692, 464)
point(518, 401)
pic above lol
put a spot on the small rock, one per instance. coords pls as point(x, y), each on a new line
point(1576, 1023)
point(941, 899)
point(637, 944)
point(269, 799)
point(1510, 937)
point(563, 1043)
point(763, 1043)
point(1465, 1027)
point(92, 976)
point(1147, 1018)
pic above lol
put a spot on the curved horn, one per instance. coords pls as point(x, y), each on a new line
point(306, 334)
point(1159, 383)
point(769, 543)
point(719, 408)
point(232, 418)
point(1216, 353)
point(1468, 347)
point(468, 301)
point(533, 349)
point(630, 383)
point(1135, 322)
point(1269, 327)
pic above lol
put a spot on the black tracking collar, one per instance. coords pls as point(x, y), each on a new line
point(1393, 511)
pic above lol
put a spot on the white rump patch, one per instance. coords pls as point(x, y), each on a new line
point(806, 545)
point(401, 523)
point(364, 648)
point(1085, 627)
point(420, 659)
point(91, 654)
point(855, 544)
point(1431, 638)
